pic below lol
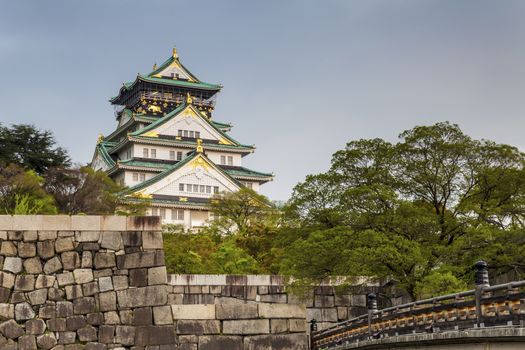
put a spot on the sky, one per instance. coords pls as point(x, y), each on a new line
point(301, 78)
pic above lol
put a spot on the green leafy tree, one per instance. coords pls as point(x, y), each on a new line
point(31, 148)
point(412, 210)
point(22, 192)
point(239, 211)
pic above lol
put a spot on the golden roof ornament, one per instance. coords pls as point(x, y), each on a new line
point(199, 147)
point(189, 99)
point(100, 138)
point(154, 66)
point(175, 55)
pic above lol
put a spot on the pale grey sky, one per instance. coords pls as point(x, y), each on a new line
point(301, 78)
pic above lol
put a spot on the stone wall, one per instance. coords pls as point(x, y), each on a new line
point(327, 304)
point(100, 282)
point(83, 282)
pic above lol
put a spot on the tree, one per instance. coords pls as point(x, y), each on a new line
point(31, 148)
point(412, 209)
point(238, 211)
point(22, 192)
point(86, 191)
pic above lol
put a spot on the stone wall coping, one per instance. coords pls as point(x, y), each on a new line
point(79, 223)
point(225, 280)
point(248, 280)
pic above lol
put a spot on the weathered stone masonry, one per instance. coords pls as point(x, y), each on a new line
point(100, 282)
point(70, 282)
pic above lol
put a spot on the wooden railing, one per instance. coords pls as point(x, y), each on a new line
point(484, 306)
point(176, 98)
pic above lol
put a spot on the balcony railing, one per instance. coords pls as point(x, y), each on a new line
point(485, 306)
point(176, 98)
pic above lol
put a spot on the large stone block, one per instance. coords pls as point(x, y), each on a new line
point(125, 335)
point(27, 222)
point(87, 334)
point(85, 223)
point(152, 240)
point(132, 238)
point(45, 235)
point(246, 327)
point(144, 296)
point(154, 335)
point(8, 248)
point(113, 223)
point(38, 297)
point(162, 315)
point(142, 316)
point(282, 311)
point(52, 266)
point(107, 301)
point(111, 240)
point(35, 326)
point(26, 249)
point(70, 260)
point(46, 249)
point(55, 222)
point(87, 236)
point(27, 342)
point(104, 260)
point(157, 275)
point(276, 342)
point(7, 311)
point(7, 280)
point(33, 265)
point(24, 311)
point(143, 223)
point(220, 342)
point(25, 283)
point(83, 275)
point(46, 341)
point(140, 259)
point(236, 311)
point(279, 325)
point(322, 315)
point(6, 222)
point(198, 327)
point(64, 244)
point(193, 312)
point(11, 330)
point(65, 279)
point(84, 305)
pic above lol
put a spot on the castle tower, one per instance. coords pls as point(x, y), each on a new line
point(168, 149)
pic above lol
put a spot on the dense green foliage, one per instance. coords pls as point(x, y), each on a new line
point(35, 178)
point(30, 148)
point(419, 212)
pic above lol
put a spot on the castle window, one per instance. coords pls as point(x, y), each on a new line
point(181, 187)
point(188, 187)
point(223, 160)
point(145, 153)
point(179, 155)
point(195, 188)
point(197, 134)
point(172, 155)
point(230, 160)
point(208, 189)
point(185, 133)
point(180, 133)
point(177, 214)
point(135, 177)
point(202, 188)
point(215, 189)
point(163, 213)
point(192, 134)
point(154, 211)
point(142, 177)
point(153, 153)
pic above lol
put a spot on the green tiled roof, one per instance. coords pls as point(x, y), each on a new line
point(173, 168)
point(166, 81)
point(242, 171)
point(103, 151)
point(235, 172)
point(175, 112)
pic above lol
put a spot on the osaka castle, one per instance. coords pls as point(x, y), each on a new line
point(168, 149)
